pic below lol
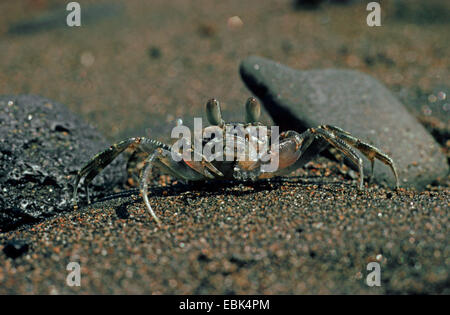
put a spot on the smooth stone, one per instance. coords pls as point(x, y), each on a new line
point(353, 101)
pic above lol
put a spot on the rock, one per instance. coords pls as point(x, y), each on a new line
point(42, 146)
point(355, 102)
point(154, 52)
point(15, 248)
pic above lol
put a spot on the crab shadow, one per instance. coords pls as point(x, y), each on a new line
point(192, 191)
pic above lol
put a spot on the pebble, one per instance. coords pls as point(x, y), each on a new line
point(15, 248)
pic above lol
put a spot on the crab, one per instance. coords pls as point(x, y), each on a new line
point(291, 153)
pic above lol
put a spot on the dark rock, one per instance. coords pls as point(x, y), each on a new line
point(379, 58)
point(15, 248)
point(207, 30)
point(241, 261)
point(154, 52)
point(42, 146)
point(355, 102)
point(203, 258)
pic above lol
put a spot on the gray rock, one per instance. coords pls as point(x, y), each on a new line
point(355, 102)
point(42, 146)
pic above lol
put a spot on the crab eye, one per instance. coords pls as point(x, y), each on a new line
point(213, 112)
point(252, 110)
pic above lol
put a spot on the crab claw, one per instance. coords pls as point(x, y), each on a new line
point(202, 166)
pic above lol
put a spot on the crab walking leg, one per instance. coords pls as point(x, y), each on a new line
point(103, 159)
point(340, 145)
point(178, 167)
point(144, 185)
point(368, 150)
point(163, 159)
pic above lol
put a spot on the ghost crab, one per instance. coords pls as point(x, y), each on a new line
point(290, 153)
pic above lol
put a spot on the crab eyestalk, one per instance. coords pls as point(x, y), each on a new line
point(214, 113)
point(252, 110)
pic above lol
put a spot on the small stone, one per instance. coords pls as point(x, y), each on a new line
point(15, 248)
point(235, 22)
point(87, 59)
point(154, 52)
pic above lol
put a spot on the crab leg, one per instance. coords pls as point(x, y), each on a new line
point(186, 169)
point(182, 169)
point(341, 146)
point(203, 166)
point(144, 185)
point(294, 145)
point(368, 150)
point(103, 159)
point(340, 139)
